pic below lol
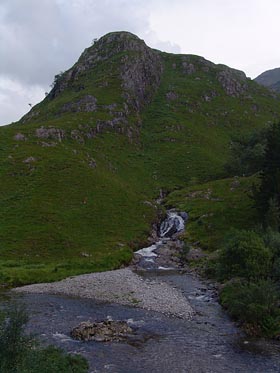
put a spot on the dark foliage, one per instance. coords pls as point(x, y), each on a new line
point(256, 304)
point(20, 353)
point(267, 197)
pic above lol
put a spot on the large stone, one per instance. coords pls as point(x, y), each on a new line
point(103, 331)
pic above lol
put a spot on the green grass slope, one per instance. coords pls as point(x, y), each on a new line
point(214, 208)
point(80, 172)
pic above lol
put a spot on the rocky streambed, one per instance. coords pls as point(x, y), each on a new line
point(162, 318)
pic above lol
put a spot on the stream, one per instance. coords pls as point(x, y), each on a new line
point(209, 342)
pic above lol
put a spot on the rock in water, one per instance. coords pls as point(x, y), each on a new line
point(104, 331)
point(174, 223)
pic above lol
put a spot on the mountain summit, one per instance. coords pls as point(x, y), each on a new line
point(270, 79)
point(81, 171)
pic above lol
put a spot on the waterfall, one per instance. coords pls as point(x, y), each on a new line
point(174, 223)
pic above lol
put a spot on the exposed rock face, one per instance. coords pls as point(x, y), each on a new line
point(119, 125)
point(104, 331)
point(233, 81)
point(188, 67)
point(50, 133)
point(87, 104)
point(140, 74)
point(141, 77)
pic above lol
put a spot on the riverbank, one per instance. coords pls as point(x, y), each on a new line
point(121, 286)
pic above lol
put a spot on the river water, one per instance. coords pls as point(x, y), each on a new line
point(210, 342)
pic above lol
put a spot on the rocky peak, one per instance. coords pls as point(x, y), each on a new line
point(140, 73)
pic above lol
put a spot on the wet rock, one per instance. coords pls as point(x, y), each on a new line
point(171, 225)
point(104, 331)
point(184, 215)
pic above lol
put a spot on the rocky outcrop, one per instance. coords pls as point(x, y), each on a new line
point(104, 331)
point(140, 74)
point(20, 137)
point(118, 125)
point(141, 77)
point(50, 133)
point(232, 81)
point(87, 104)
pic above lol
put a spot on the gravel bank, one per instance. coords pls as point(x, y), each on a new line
point(121, 286)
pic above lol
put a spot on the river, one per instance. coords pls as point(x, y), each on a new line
point(209, 342)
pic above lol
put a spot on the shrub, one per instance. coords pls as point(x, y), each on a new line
point(20, 353)
point(244, 254)
point(254, 304)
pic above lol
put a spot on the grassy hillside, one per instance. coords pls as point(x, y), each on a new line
point(80, 172)
point(214, 208)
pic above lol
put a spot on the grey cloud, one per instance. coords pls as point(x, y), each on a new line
point(40, 38)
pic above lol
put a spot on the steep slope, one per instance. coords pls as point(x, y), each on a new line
point(270, 79)
point(80, 172)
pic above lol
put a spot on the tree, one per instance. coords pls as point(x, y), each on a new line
point(244, 254)
point(267, 198)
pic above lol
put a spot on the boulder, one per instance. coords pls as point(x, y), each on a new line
point(104, 331)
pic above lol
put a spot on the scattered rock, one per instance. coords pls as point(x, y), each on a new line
point(171, 96)
point(92, 163)
point(195, 254)
point(50, 133)
point(30, 160)
point(235, 184)
point(47, 144)
point(87, 104)
point(104, 331)
point(20, 137)
point(188, 67)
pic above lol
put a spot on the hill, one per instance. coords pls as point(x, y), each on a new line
point(81, 171)
point(270, 79)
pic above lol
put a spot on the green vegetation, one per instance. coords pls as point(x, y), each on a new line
point(214, 208)
point(223, 217)
point(81, 171)
point(20, 353)
point(267, 197)
point(256, 304)
point(244, 255)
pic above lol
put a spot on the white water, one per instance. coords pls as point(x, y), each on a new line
point(174, 223)
point(148, 252)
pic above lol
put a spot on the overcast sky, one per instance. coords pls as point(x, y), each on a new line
point(40, 38)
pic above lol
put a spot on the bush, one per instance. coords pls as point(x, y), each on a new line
point(20, 353)
point(244, 254)
point(254, 304)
